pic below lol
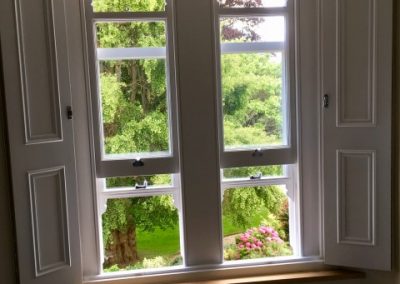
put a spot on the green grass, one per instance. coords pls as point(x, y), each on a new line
point(165, 242)
point(160, 242)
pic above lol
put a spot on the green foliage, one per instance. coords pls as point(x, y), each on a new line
point(128, 5)
point(252, 99)
point(249, 171)
point(241, 204)
point(135, 119)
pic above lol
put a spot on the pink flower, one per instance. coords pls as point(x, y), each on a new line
point(248, 244)
point(253, 246)
point(241, 246)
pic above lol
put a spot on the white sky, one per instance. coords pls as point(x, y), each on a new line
point(272, 29)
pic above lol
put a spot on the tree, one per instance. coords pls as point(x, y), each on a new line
point(124, 216)
point(134, 108)
point(135, 119)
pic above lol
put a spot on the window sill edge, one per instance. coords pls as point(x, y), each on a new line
point(299, 272)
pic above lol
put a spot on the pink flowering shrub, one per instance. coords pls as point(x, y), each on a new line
point(259, 242)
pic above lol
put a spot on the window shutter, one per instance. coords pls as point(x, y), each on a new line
point(40, 125)
point(356, 39)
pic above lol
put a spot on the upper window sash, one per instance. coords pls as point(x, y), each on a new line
point(271, 155)
point(157, 162)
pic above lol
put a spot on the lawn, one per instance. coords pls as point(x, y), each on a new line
point(165, 242)
point(160, 242)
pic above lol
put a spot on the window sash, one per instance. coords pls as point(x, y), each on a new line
point(121, 165)
point(271, 155)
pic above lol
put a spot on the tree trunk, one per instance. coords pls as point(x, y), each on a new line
point(134, 75)
point(122, 249)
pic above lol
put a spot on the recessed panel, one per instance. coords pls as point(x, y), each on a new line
point(38, 59)
point(356, 63)
point(49, 220)
point(356, 177)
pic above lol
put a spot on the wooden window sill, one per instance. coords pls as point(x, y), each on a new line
point(299, 277)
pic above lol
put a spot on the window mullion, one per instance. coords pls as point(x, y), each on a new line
point(199, 149)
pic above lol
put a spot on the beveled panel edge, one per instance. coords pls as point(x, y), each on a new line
point(32, 175)
point(341, 238)
point(372, 66)
point(57, 135)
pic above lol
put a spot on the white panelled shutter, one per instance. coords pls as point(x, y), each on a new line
point(37, 91)
point(356, 37)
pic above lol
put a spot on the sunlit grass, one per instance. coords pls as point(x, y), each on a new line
point(160, 242)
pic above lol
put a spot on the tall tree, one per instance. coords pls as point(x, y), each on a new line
point(134, 103)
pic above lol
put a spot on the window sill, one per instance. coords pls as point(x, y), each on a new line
point(300, 277)
point(301, 271)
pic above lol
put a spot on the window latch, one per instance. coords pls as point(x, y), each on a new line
point(326, 101)
point(257, 153)
point(256, 176)
point(141, 186)
point(137, 163)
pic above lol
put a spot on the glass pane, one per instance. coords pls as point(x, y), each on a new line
point(253, 100)
point(133, 87)
point(130, 34)
point(140, 233)
point(138, 181)
point(134, 106)
point(256, 223)
point(252, 29)
point(248, 172)
point(128, 5)
point(252, 3)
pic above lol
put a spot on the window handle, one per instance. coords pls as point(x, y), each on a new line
point(326, 101)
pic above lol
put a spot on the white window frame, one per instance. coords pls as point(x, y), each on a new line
point(271, 155)
point(284, 155)
point(160, 165)
point(155, 162)
point(121, 165)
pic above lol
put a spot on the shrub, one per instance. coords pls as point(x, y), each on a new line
point(263, 241)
